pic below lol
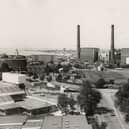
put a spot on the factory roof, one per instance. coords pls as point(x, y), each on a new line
point(9, 106)
point(65, 122)
point(34, 124)
point(12, 120)
point(6, 100)
point(9, 89)
point(52, 123)
point(32, 104)
point(49, 122)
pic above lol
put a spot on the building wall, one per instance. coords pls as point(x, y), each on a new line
point(15, 64)
point(124, 56)
point(41, 58)
point(89, 54)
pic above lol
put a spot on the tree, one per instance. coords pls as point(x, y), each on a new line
point(42, 76)
point(59, 78)
point(122, 100)
point(103, 125)
point(88, 98)
point(4, 67)
point(71, 102)
point(63, 101)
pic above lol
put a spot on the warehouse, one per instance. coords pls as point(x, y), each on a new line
point(125, 56)
point(89, 55)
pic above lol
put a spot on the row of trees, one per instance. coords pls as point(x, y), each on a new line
point(87, 99)
point(122, 100)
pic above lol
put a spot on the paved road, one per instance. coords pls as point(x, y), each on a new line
point(117, 121)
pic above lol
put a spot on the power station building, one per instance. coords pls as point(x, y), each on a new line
point(125, 56)
point(89, 55)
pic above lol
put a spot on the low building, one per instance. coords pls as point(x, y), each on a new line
point(89, 55)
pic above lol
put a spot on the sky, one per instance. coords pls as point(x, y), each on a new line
point(53, 23)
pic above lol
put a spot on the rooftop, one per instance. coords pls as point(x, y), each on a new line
point(32, 104)
point(66, 122)
point(9, 89)
point(12, 120)
point(36, 124)
point(49, 122)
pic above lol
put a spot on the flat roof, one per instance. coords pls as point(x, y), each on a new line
point(52, 123)
point(49, 122)
point(36, 124)
point(9, 106)
point(28, 104)
point(12, 120)
point(11, 127)
point(9, 89)
point(66, 122)
point(75, 122)
point(6, 100)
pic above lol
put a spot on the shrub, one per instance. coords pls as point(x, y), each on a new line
point(100, 83)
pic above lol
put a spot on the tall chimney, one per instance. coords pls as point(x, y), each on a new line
point(112, 58)
point(78, 41)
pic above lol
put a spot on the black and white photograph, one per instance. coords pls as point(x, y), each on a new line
point(64, 64)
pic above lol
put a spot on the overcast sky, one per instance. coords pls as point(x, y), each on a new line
point(52, 23)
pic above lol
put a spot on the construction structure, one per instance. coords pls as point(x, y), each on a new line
point(112, 49)
point(78, 42)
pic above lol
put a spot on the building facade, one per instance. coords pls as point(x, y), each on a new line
point(41, 58)
point(89, 55)
point(15, 63)
point(125, 56)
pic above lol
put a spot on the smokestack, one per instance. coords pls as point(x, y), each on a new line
point(112, 45)
point(78, 41)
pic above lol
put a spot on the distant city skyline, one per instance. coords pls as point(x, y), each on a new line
point(52, 24)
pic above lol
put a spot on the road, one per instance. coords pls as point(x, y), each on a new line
point(117, 121)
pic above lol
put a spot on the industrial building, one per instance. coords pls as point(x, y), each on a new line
point(125, 56)
point(45, 58)
point(15, 63)
point(14, 98)
point(89, 55)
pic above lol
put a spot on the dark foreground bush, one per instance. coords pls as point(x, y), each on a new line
point(100, 83)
